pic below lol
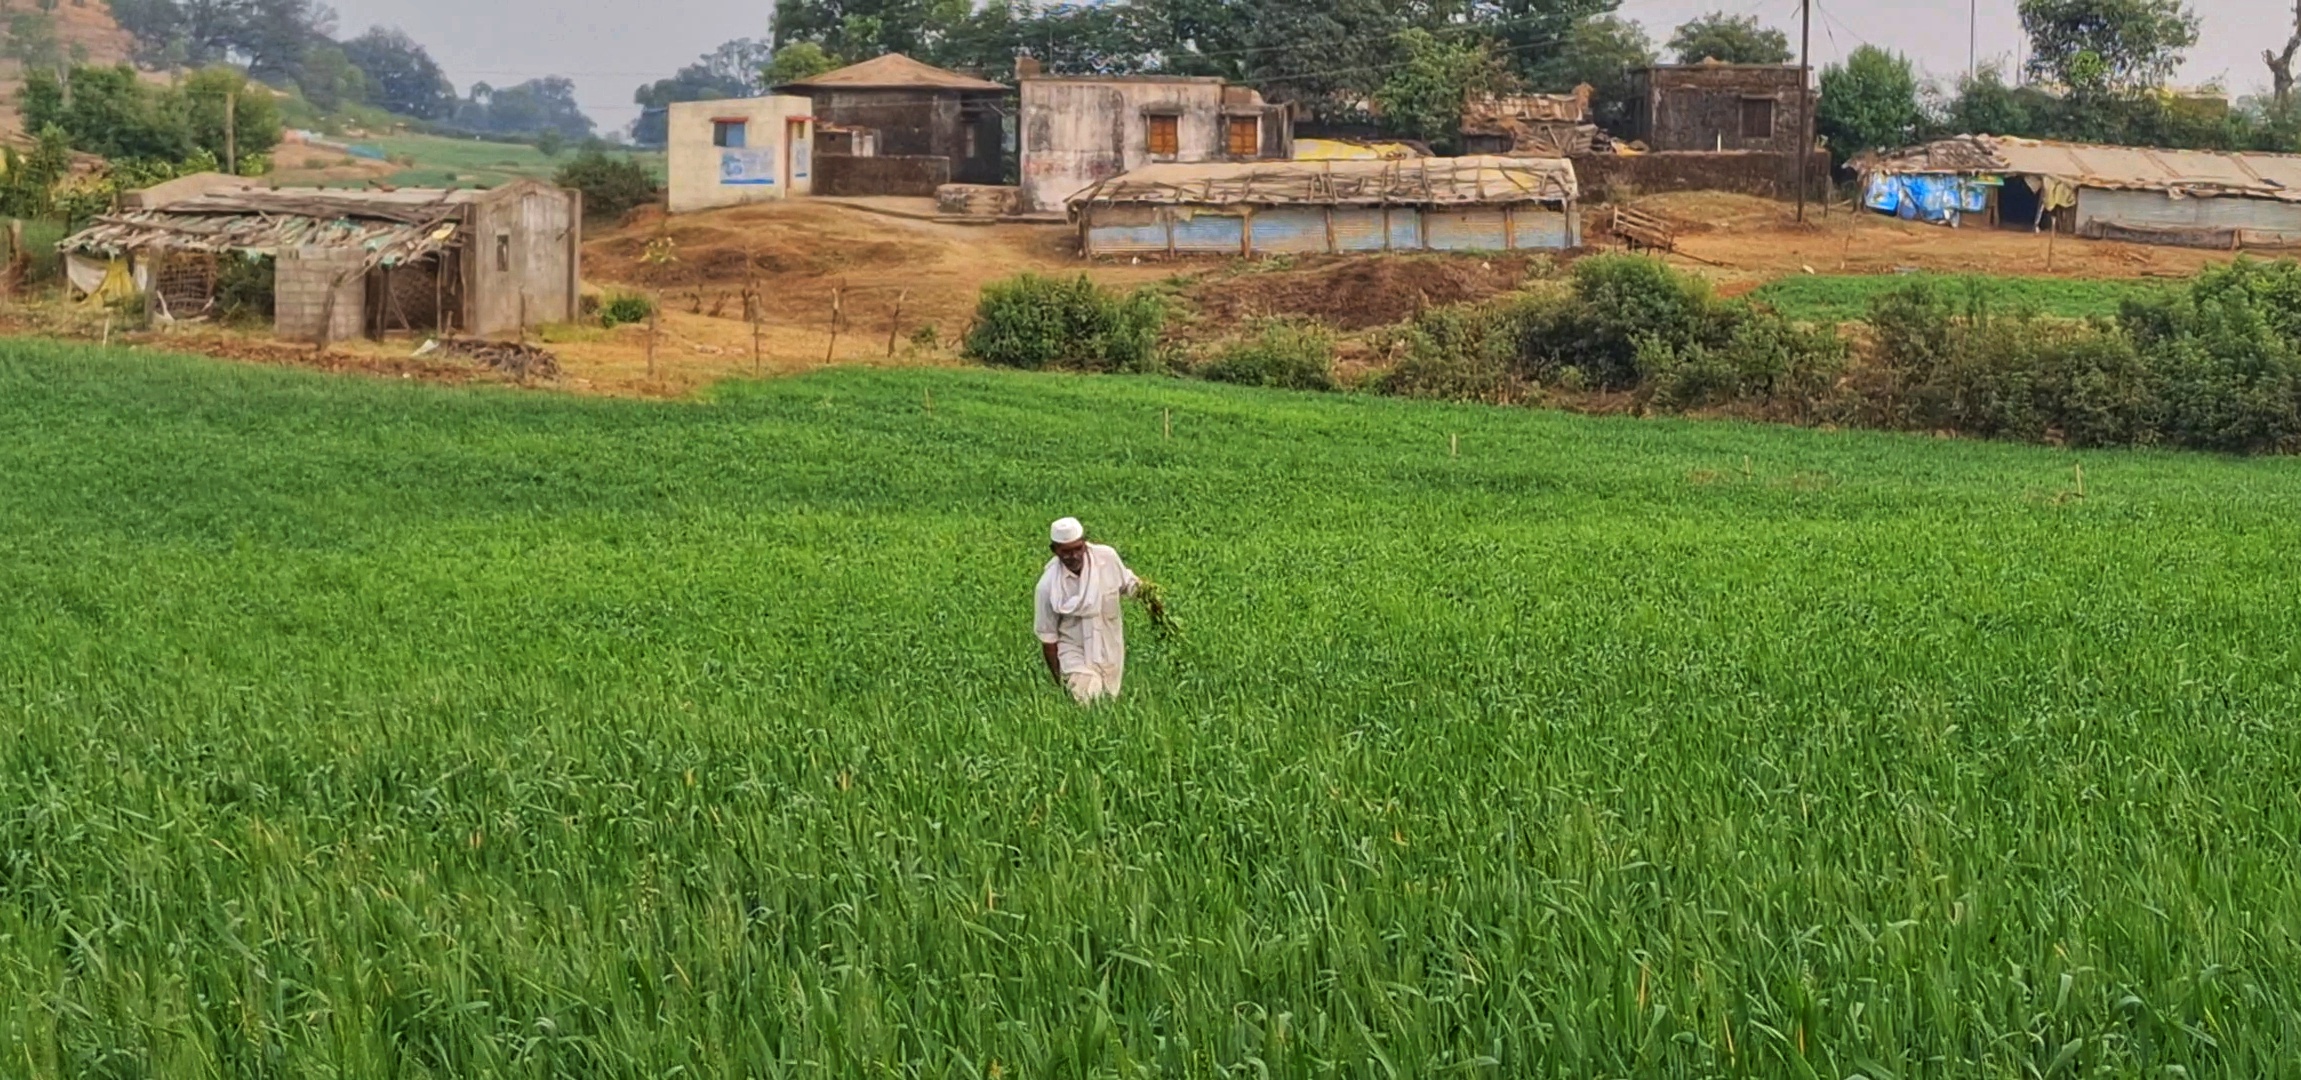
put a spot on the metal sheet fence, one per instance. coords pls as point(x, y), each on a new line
point(1125, 229)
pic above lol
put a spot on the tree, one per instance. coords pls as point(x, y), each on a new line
point(612, 185)
point(528, 109)
point(550, 142)
point(256, 125)
point(32, 41)
point(735, 69)
point(796, 61)
point(1729, 39)
point(1869, 102)
point(2107, 48)
point(2281, 70)
point(401, 76)
point(1600, 53)
point(1986, 105)
point(1423, 97)
point(330, 80)
point(107, 111)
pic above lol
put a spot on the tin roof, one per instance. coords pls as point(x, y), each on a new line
point(2134, 168)
point(1417, 181)
point(893, 71)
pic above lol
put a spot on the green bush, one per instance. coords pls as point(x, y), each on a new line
point(1461, 352)
point(1036, 323)
point(1619, 306)
point(1288, 354)
point(624, 308)
point(612, 185)
point(2216, 366)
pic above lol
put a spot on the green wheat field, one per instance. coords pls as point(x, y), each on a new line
point(359, 728)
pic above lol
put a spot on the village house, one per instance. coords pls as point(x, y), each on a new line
point(1719, 107)
point(343, 264)
point(1320, 207)
point(899, 127)
point(1078, 130)
point(737, 151)
point(2191, 198)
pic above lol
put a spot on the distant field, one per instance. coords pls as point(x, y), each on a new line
point(442, 161)
point(357, 728)
point(1840, 298)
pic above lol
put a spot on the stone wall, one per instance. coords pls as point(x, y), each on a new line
point(300, 294)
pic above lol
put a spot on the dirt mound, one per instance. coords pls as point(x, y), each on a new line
point(721, 248)
point(1361, 291)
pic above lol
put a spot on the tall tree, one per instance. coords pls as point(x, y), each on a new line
point(2107, 48)
point(1985, 104)
point(1869, 102)
point(796, 61)
point(2281, 67)
point(1423, 96)
point(401, 76)
point(735, 69)
point(329, 79)
point(529, 108)
point(1729, 39)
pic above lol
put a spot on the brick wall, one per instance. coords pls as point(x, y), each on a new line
point(841, 174)
point(1617, 177)
point(300, 294)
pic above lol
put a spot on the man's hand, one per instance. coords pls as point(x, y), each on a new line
point(1054, 663)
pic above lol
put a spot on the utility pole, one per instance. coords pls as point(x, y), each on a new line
point(1972, 38)
point(232, 133)
point(1805, 99)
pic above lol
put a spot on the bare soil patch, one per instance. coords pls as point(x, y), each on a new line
point(1359, 292)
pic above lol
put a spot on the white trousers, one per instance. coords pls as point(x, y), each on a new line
point(1094, 683)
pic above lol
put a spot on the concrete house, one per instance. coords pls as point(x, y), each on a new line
point(1713, 106)
point(345, 263)
point(1332, 207)
point(2190, 198)
point(947, 128)
point(736, 151)
point(1078, 130)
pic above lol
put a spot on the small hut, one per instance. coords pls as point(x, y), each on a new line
point(343, 263)
point(2191, 198)
point(1270, 207)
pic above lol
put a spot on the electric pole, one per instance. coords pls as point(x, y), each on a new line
point(1972, 38)
point(1805, 99)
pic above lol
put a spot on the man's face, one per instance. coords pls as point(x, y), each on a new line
point(1073, 555)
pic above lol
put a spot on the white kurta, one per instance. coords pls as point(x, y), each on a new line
point(1079, 615)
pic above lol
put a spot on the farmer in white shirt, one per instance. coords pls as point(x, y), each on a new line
point(1078, 613)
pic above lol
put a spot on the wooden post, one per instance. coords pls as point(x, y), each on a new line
point(751, 305)
point(232, 133)
point(832, 349)
point(523, 316)
point(896, 322)
point(2080, 479)
point(1166, 423)
point(2050, 229)
point(1453, 445)
point(654, 313)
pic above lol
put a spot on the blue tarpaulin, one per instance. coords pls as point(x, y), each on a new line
point(1938, 198)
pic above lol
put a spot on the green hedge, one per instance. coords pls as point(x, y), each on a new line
point(1036, 323)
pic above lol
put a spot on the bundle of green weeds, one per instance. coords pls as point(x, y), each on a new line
point(1153, 599)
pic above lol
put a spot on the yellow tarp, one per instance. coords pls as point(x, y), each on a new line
point(116, 286)
point(1337, 150)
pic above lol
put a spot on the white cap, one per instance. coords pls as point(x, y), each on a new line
point(1067, 530)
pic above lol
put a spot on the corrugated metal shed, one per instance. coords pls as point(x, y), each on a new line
point(2117, 168)
point(1416, 182)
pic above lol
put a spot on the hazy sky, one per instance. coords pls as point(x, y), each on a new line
point(611, 46)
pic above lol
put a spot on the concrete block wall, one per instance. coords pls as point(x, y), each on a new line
point(300, 294)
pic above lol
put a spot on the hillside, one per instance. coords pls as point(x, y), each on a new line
point(366, 728)
point(86, 33)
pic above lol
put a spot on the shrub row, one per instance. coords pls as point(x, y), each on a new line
point(2216, 365)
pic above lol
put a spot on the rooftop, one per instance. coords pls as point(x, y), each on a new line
point(894, 71)
point(1411, 182)
point(2185, 172)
